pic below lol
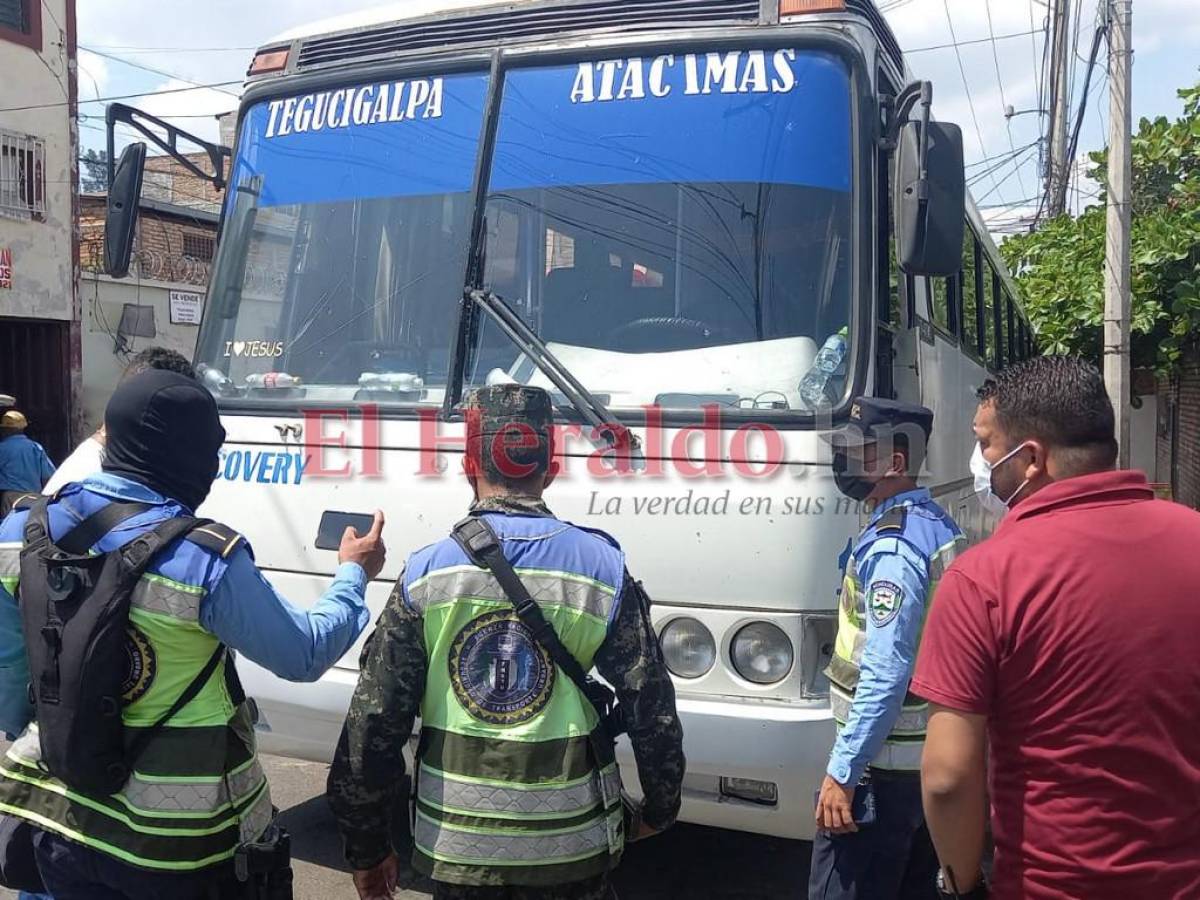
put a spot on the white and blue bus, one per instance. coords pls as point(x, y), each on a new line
point(655, 209)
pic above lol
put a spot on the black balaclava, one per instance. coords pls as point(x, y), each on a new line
point(163, 431)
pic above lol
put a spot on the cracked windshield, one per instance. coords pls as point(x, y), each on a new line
point(676, 228)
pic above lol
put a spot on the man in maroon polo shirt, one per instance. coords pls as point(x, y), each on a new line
point(1066, 646)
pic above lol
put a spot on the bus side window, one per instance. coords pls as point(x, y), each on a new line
point(1006, 325)
point(969, 292)
point(941, 304)
point(1010, 329)
point(992, 320)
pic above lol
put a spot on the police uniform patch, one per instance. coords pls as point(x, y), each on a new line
point(141, 666)
point(884, 600)
point(499, 672)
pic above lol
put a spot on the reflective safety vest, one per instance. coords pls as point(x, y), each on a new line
point(197, 791)
point(928, 530)
point(510, 789)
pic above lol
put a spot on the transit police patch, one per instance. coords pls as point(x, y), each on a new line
point(884, 599)
point(499, 672)
point(141, 666)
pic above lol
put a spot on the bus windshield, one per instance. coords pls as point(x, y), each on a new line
point(677, 228)
point(345, 243)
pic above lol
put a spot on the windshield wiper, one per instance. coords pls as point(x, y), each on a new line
point(604, 424)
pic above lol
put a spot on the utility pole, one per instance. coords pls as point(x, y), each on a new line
point(1059, 175)
point(1117, 278)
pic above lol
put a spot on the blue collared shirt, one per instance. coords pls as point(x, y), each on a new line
point(890, 652)
point(243, 610)
point(24, 465)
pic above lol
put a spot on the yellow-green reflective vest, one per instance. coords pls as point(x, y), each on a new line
point(929, 530)
point(509, 787)
point(197, 791)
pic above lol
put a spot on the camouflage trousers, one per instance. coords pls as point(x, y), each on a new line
point(592, 889)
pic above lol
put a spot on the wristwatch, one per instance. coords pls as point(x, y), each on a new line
point(947, 892)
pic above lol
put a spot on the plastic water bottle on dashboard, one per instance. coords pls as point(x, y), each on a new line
point(817, 388)
point(272, 380)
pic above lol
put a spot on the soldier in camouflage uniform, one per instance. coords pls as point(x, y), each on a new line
point(512, 801)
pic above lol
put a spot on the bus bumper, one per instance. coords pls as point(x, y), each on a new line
point(783, 745)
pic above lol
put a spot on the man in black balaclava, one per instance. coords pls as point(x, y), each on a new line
point(164, 432)
point(197, 596)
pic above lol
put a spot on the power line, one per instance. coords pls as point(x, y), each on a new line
point(1002, 160)
point(1002, 181)
point(1002, 156)
point(968, 43)
point(145, 68)
point(181, 90)
point(987, 4)
point(123, 48)
point(966, 87)
point(1097, 39)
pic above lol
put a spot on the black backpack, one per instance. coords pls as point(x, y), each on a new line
point(75, 615)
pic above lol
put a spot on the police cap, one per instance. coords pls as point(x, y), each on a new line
point(873, 418)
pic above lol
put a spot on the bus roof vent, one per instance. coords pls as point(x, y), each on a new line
point(521, 22)
point(879, 25)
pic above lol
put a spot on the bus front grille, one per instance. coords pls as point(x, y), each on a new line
point(472, 28)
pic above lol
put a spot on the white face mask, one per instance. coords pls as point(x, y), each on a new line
point(982, 470)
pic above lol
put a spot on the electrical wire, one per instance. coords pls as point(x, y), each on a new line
point(150, 69)
point(129, 48)
point(963, 72)
point(163, 92)
point(987, 4)
point(968, 43)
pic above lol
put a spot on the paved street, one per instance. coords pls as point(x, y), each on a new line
point(689, 862)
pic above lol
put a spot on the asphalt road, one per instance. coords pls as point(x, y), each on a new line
point(687, 862)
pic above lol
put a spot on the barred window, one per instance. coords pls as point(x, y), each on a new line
point(22, 176)
point(14, 15)
point(198, 246)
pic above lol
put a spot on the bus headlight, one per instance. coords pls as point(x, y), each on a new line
point(688, 648)
point(762, 653)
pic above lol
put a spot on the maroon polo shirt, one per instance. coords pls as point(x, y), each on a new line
point(1075, 629)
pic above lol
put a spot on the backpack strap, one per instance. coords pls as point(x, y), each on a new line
point(152, 542)
point(36, 533)
point(91, 530)
point(477, 539)
point(139, 745)
point(480, 543)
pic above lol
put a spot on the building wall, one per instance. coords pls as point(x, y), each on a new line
point(40, 77)
point(103, 300)
point(1143, 438)
point(39, 299)
point(1179, 430)
point(159, 267)
point(168, 180)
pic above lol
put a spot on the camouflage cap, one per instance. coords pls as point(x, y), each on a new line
point(493, 408)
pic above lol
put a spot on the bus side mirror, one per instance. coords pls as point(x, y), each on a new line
point(931, 196)
point(120, 220)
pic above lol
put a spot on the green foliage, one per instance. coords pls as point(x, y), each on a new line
point(94, 174)
point(1060, 267)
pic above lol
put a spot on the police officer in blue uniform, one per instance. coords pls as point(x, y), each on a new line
point(164, 435)
point(872, 843)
